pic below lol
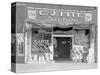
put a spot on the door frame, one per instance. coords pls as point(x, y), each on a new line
point(72, 36)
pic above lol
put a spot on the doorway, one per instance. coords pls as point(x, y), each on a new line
point(62, 45)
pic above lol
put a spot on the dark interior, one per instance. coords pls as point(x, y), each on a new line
point(62, 29)
point(62, 50)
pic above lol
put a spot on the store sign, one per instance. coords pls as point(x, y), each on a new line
point(40, 46)
point(57, 16)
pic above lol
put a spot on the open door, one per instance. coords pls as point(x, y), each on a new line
point(62, 48)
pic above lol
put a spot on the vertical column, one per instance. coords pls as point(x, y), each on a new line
point(28, 35)
point(52, 49)
point(29, 45)
point(71, 55)
point(91, 56)
point(26, 47)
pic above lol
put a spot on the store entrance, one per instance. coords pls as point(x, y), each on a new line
point(62, 48)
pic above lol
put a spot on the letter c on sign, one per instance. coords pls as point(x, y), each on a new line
point(42, 12)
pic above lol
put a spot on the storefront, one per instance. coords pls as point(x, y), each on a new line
point(56, 35)
point(47, 33)
point(48, 37)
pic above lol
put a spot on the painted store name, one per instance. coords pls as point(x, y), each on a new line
point(56, 14)
point(60, 13)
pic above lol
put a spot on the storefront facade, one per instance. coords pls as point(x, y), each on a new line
point(47, 33)
point(63, 27)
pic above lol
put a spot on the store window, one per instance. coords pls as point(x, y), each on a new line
point(41, 41)
point(81, 45)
